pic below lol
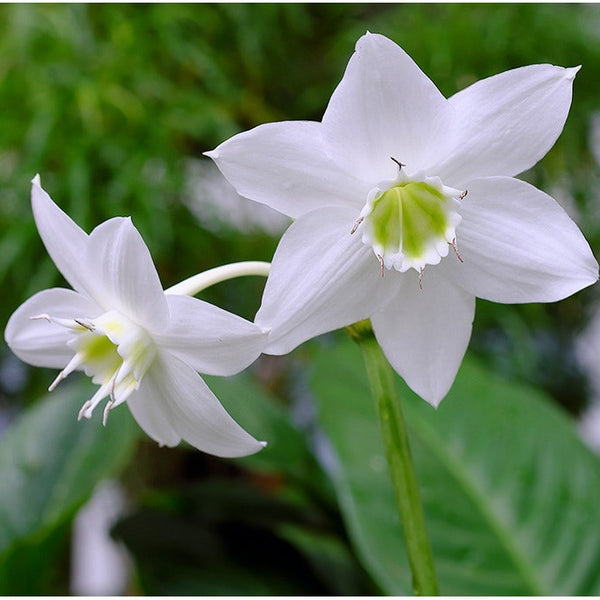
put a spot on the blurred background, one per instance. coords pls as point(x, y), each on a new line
point(114, 105)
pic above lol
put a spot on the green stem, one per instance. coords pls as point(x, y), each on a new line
point(192, 285)
point(395, 438)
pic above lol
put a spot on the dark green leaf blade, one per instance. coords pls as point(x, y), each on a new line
point(510, 491)
point(50, 464)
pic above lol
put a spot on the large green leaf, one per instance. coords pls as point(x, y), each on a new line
point(49, 465)
point(511, 494)
point(287, 452)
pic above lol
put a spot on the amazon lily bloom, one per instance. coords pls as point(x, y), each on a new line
point(401, 181)
point(139, 344)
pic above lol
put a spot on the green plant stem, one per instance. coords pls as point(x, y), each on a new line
point(395, 438)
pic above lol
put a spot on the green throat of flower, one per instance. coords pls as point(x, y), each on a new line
point(113, 351)
point(411, 223)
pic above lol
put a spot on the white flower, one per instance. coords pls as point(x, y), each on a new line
point(139, 344)
point(426, 186)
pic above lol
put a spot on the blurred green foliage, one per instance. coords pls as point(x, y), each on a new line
point(110, 102)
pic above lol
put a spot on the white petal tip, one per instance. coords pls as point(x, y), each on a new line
point(571, 72)
point(214, 154)
point(263, 444)
point(37, 180)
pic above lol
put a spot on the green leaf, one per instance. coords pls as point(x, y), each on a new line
point(510, 492)
point(287, 451)
point(49, 465)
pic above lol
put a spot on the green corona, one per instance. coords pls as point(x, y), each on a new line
point(411, 223)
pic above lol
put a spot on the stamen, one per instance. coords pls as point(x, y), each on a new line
point(39, 317)
point(463, 194)
point(400, 165)
point(77, 360)
point(358, 222)
point(421, 271)
point(106, 411)
point(382, 264)
point(85, 406)
point(86, 325)
point(68, 323)
point(453, 244)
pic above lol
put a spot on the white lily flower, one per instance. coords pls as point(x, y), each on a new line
point(398, 177)
point(139, 344)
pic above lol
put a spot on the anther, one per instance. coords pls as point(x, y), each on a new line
point(400, 165)
point(421, 271)
point(358, 222)
point(463, 194)
point(106, 411)
point(86, 325)
point(85, 406)
point(453, 244)
point(382, 264)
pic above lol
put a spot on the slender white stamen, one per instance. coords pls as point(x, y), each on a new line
point(106, 411)
point(85, 406)
point(39, 317)
point(421, 271)
point(382, 263)
point(355, 227)
point(100, 394)
point(453, 244)
point(199, 282)
point(86, 324)
point(75, 362)
point(68, 323)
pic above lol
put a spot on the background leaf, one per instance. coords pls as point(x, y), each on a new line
point(510, 492)
point(49, 465)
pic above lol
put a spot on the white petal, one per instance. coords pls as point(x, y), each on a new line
point(126, 279)
point(385, 106)
point(151, 412)
point(42, 343)
point(192, 411)
point(519, 245)
point(65, 241)
point(209, 339)
point(285, 166)
point(322, 278)
point(507, 123)
point(424, 333)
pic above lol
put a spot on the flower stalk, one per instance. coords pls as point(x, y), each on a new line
point(395, 439)
point(195, 284)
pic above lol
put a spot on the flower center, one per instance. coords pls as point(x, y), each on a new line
point(115, 352)
point(410, 222)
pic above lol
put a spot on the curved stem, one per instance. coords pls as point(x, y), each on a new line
point(192, 285)
point(395, 438)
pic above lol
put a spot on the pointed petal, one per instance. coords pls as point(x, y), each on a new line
point(321, 278)
point(385, 106)
point(126, 279)
point(40, 342)
point(65, 241)
point(508, 122)
point(151, 412)
point(519, 245)
point(424, 333)
point(209, 339)
point(285, 166)
point(193, 412)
